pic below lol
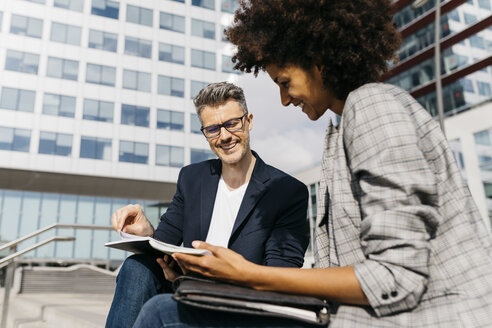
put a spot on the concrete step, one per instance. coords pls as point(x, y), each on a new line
point(81, 278)
point(58, 310)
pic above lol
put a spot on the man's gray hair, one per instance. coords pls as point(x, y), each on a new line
point(216, 94)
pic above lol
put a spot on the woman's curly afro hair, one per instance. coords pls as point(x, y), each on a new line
point(351, 41)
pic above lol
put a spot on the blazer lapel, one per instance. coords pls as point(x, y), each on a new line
point(254, 192)
point(208, 191)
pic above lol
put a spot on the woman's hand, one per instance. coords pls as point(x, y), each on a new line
point(223, 264)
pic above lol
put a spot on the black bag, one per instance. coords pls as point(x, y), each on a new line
point(221, 296)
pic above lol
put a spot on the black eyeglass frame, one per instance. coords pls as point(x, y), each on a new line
point(223, 125)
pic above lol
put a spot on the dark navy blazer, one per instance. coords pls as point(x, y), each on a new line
point(271, 227)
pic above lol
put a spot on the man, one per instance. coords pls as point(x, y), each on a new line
point(237, 201)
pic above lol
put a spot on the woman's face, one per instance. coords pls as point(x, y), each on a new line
point(304, 88)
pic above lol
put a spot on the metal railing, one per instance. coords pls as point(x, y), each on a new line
point(9, 260)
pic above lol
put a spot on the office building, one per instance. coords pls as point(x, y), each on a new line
point(96, 110)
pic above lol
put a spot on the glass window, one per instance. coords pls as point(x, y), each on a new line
point(17, 99)
point(170, 86)
point(100, 74)
point(37, 1)
point(55, 143)
point(14, 139)
point(75, 5)
point(195, 87)
point(457, 150)
point(469, 18)
point(1, 20)
point(48, 215)
point(134, 152)
point(483, 146)
point(106, 8)
point(138, 47)
point(62, 68)
point(222, 33)
point(455, 99)
point(424, 37)
point(103, 40)
point(476, 41)
point(136, 80)
point(171, 53)
point(483, 138)
point(172, 22)
point(66, 214)
point(484, 4)
point(95, 148)
point(195, 124)
point(169, 156)
point(209, 4)
point(27, 26)
point(170, 120)
point(97, 110)
point(29, 216)
point(228, 66)
point(65, 33)
point(83, 237)
point(203, 59)
point(484, 89)
point(59, 105)
point(202, 29)
point(454, 15)
point(408, 13)
point(102, 210)
point(135, 115)
point(139, 15)
point(200, 155)
point(11, 205)
point(229, 6)
point(467, 85)
point(453, 58)
point(22, 62)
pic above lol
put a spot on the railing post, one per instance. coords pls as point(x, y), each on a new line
point(9, 277)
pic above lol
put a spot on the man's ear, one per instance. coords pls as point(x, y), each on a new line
point(249, 117)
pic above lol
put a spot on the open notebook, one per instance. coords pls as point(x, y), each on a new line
point(139, 245)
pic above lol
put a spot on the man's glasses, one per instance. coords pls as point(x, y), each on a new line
point(233, 125)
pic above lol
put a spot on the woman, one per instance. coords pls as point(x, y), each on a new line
point(399, 241)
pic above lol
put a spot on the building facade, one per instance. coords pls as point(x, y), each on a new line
point(96, 110)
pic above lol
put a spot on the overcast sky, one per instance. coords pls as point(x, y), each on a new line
point(283, 136)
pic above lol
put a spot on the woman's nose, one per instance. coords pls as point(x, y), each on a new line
point(285, 98)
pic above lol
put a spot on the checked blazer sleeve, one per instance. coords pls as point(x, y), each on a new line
point(398, 200)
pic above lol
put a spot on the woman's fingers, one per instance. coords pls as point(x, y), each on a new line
point(203, 245)
point(198, 264)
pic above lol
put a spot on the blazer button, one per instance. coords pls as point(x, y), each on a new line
point(394, 293)
point(384, 296)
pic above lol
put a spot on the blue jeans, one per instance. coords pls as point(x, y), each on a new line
point(140, 278)
point(162, 311)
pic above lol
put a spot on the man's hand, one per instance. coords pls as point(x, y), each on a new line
point(131, 219)
point(169, 267)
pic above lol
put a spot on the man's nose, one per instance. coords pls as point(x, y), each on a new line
point(224, 134)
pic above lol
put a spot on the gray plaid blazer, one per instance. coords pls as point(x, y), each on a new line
point(394, 206)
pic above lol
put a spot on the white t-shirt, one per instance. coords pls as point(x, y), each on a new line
point(226, 206)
